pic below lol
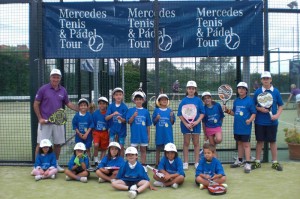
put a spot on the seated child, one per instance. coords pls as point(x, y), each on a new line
point(78, 164)
point(112, 159)
point(172, 168)
point(132, 175)
point(45, 162)
point(209, 168)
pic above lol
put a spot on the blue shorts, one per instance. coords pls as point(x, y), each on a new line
point(130, 183)
point(242, 138)
point(266, 133)
point(88, 142)
point(120, 140)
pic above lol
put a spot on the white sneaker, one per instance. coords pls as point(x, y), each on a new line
point(100, 180)
point(196, 165)
point(133, 188)
point(201, 186)
point(60, 169)
point(53, 176)
point(247, 168)
point(91, 169)
point(68, 178)
point(185, 166)
point(175, 186)
point(236, 164)
point(38, 177)
point(225, 185)
point(83, 179)
point(158, 184)
point(132, 194)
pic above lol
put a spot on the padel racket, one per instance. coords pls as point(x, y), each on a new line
point(225, 93)
point(189, 112)
point(265, 100)
point(112, 168)
point(156, 172)
point(215, 188)
point(59, 117)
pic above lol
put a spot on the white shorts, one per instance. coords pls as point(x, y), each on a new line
point(53, 132)
point(142, 144)
point(298, 98)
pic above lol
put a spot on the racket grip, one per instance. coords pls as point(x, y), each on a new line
point(271, 114)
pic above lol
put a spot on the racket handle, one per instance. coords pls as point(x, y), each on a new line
point(271, 114)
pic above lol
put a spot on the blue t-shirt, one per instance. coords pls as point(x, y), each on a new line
point(175, 167)
point(264, 118)
point(100, 124)
point(213, 116)
point(243, 109)
point(82, 123)
point(209, 168)
point(164, 129)
point(138, 128)
point(116, 127)
point(200, 110)
point(113, 162)
point(45, 161)
point(136, 174)
point(84, 159)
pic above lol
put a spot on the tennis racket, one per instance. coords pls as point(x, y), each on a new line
point(156, 172)
point(265, 100)
point(112, 168)
point(225, 93)
point(215, 188)
point(189, 112)
point(59, 117)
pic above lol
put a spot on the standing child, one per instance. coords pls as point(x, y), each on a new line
point(78, 164)
point(45, 162)
point(132, 175)
point(244, 113)
point(193, 129)
point(266, 126)
point(112, 159)
point(82, 124)
point(213, 119)
point(171, 166)
point(115, 115)
point(100, 132)
point(209, 168)
point(163, 118)
point(140, 122)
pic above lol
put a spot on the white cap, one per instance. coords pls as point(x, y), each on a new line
point(191, 84)
point(265, 74)
point(45, 143)
point(206, 94)
point(115, 144)
point(131, 150)
point(79, 146)
point(138, 93)
point(117, 89)
point(161, 96)
point(83, 100)
point(170, 147)
point(55, 72)
point(103, 99)
point(242, 84)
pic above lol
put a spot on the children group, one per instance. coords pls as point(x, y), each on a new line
point(106, 129)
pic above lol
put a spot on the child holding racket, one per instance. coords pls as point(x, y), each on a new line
point(163, 119)
point(78, 164)
point(140, 122)
point(171, 166)
point(116, 117)
point(244, 113)
point(191, 113)
point(132, 176)
point(213, 119)
point(82, 124)
point(108, 168)
point(209, 169)
point(45, 162)
point(265, 125)
point(100, 131)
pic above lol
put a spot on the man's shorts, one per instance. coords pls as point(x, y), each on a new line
point(298, 98)
point(242, 138)
point(266, 133)
point(102, 138)
point(53, 132)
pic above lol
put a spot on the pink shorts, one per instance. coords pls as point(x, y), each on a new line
point(212, 131)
